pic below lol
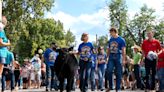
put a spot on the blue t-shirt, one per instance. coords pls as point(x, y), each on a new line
point(101, 60)
point(3, 49)
point(94, 59)
point(9, 58)
point(116, 45)
point(85, 50)
point(50, 57)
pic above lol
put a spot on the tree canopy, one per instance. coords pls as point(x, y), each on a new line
point(28, 29)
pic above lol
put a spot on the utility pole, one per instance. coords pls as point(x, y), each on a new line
point(96, 40)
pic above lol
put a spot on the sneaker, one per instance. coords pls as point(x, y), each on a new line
point(102, 89)
point(92, 89)
point(47, 90)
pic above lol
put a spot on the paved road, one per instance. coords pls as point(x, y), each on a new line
point(77, 90)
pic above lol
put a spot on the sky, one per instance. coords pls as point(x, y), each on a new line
point(91, 16)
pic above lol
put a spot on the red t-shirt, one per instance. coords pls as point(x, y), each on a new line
point(153, 45)
point(161, 60)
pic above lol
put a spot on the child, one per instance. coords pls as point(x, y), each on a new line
point(25, 72)
point(36, 71)
point(125, 80)
point(136, 62)
point(16, 72)
point(102, 58)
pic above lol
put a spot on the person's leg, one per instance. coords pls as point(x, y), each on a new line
point(110, 67)
point(1, 69)
point(127, 82)
point(92, 78)
point(12, 79)
point(147, 67)
point(87, 74)
point(2, 62)
point(52, 77)
point(3, 80)
point(118, 66)
point(48, 77)
point(55, 82)
point(161, 79)
point(153, 81)
point(137, 75)
point(38, 83)
point(106, 79)
point(101, 77)
point(81, 71)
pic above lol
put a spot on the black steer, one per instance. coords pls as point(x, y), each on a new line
point(65, 66)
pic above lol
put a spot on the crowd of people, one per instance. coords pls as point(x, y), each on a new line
point(99, 69)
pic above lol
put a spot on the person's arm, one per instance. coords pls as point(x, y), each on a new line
point(45, 56)
point(78, 53)
point(159, 47)
point(143, 54)
point(124, 55)
point(123, 47)
point(3, 43)
point(108, 52)
point(140, 58)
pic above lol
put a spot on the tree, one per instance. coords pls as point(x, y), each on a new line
point(103, 40)
point(40, 33)
point(19, 12)
point(142, 20)
point(69, 38)
point(159, 33)
point(134, 30)
point(118, 15)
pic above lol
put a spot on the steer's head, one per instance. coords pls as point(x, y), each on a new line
point(64, 51)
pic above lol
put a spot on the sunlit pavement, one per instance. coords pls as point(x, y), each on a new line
point(77, 90)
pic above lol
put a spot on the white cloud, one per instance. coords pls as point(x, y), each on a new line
point(83, 23)
point(97, 22)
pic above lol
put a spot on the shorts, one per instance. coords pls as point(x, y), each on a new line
point(37, 77)
point(32, 77)
point(25, 80)
point(2, 60)
point(6, 73)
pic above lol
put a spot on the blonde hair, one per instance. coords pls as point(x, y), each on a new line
point(83, 36)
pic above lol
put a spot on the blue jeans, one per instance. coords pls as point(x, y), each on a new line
point(10, 74)
point(115, 62)
point(161, 79)
point(85, 68)
point(92, 78)
point(101, 74)
point(51, 77)
point(137, 75)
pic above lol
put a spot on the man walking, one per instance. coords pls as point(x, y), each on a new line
point(116, 54)
point(150, 45)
